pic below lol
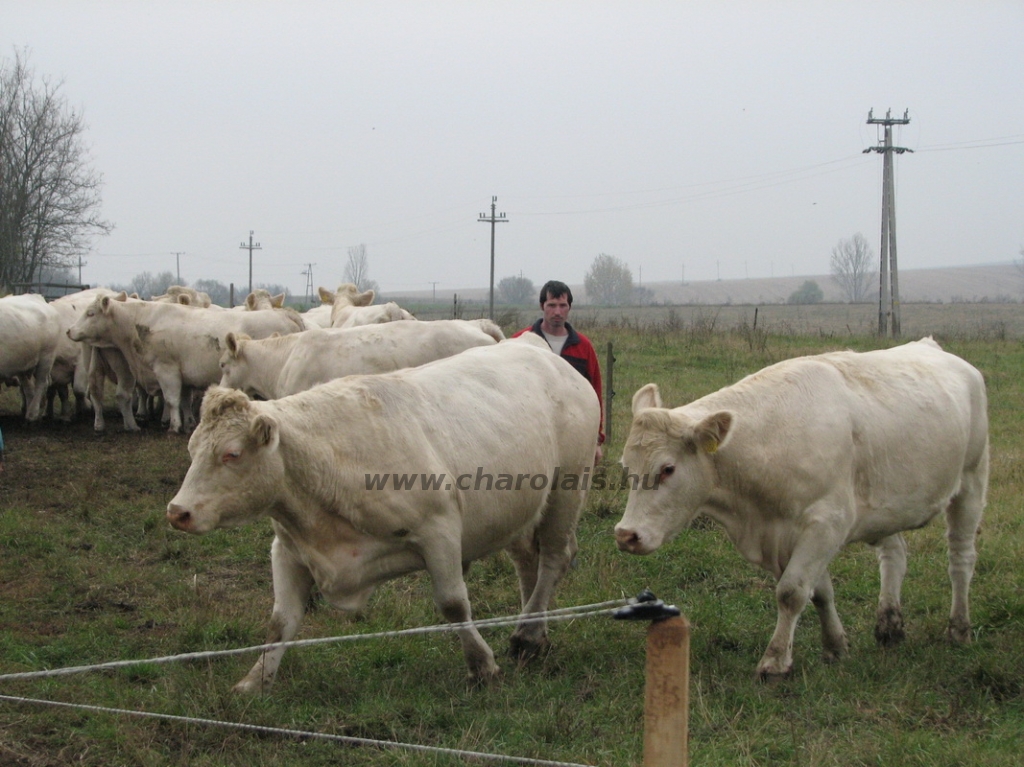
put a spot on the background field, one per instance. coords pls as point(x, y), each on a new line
point(90, 572)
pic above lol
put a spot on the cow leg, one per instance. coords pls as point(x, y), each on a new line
point(444, 563)
point(118, 369)
point(97, 382)
point(523, 552)
point(39, 385)
point(171, 387)
point(803, 574)
point(124, 394)
point(892, 567)
point(58, 391)
point(834, 643)
point(963, 517)
point(293, 584)
point(555, 543)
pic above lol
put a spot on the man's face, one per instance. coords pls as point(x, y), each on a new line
point(556, 312)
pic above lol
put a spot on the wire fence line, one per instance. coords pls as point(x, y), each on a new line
point(299, 734)
point(560, 614)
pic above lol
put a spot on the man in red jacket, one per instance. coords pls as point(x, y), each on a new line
point(571, 345)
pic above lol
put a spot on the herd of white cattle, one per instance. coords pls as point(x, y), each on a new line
point(794, 461)
point(171, 346)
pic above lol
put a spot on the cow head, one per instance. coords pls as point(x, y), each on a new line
point(233, 362)
point(236, 465)
point(670, 459)
point(95, 324)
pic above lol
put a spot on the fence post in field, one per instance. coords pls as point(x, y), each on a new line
point(667, 685)
point(667, 693)
point(609, 393)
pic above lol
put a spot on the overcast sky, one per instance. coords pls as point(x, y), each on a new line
point(695, 140)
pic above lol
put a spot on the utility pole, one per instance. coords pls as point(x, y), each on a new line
point(250, 247)
point(494, 219)
point(309, 284)
point(888, 274)
point(177, 263)
point(433, 288)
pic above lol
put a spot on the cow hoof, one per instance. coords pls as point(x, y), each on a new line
point(485, 678)
point(770, 671)
point(524, 650)
point(958, 631)
point(889, 628)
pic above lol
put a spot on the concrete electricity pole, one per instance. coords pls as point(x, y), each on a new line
point(494, 219)
point(177, 263)
point(888, 276)
point(309, 284)
point(250, 247)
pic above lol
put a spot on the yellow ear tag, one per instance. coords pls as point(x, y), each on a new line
point(711, 447)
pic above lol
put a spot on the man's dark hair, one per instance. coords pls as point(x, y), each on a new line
point(555, 289)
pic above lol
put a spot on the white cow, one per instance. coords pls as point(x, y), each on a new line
point(169, 345)
point(74, 361)
point(29, 338)
point(182, 294)
point(350, 308)
point(327, 466)
point(811, 454)
point(272, 368)
point(320, 316)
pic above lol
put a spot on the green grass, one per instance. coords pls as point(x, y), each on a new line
point(90, 572)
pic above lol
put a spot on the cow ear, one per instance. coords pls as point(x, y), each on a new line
point(365, 298)
point(277, 301)
point(326, 296)
point(218, 401)
point(231, 343)
point(264, 431)
point(250, 301)
point(713, 432)
point(646, 397)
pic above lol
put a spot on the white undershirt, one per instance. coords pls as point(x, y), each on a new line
point(556, 342)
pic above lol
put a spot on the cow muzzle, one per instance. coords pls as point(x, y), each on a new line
point(180, 518)
point(629, 540)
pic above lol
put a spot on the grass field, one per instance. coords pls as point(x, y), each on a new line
point(90, 572)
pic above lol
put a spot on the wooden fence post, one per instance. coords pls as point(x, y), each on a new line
point(667, 686)
point(667, 696)
point(609, 393)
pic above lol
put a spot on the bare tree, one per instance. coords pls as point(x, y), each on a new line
point(853, 268)
point(517, 290)
point(357, 270)
point(147, 285)
point(49, 195)
point(609, 281)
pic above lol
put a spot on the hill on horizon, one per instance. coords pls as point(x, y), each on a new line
point(987, 283)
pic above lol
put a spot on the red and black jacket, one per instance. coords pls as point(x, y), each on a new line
point(578, 352)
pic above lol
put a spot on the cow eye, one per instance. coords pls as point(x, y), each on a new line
point(667, 471)
point(230, 456)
